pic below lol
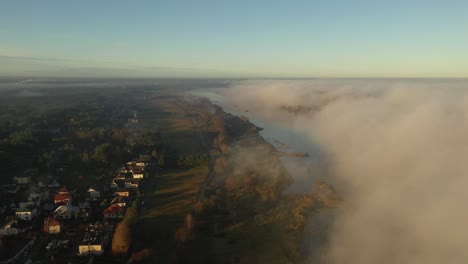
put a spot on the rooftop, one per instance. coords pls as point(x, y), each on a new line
point(63, 190)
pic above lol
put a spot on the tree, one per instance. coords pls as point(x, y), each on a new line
point(154, 154)
point(21, 137)
point(101, 153)
point(131, 216)
point(161, 162)
point(123, 233)
point(122, 239)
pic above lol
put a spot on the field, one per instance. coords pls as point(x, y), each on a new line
point(172, 193)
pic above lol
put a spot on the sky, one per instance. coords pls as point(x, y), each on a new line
point(234, 39)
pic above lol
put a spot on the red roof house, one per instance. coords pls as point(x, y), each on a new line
point(114, 212)
point(51, 226)
point(63, 196)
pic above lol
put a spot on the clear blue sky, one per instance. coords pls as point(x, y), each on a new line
point(198, 38)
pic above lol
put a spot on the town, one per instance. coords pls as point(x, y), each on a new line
point(39, 213)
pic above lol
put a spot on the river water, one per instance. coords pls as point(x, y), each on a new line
point(304, 170)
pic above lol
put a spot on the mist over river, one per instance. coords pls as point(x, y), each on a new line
point(304, 170)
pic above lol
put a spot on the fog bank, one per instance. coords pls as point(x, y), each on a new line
point(395, 149)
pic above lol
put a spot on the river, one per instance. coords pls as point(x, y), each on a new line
point(304, 170)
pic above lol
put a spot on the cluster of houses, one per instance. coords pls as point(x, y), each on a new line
point(96, 239)
point(32, 203)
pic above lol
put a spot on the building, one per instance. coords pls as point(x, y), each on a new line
point(93, 194)
point(96, 239)
point(114, 212)
point(122, 192)
point(52, 226)
point(120, 201)
point(24, 214)
point(114, 185)
point(132, 183)
point(13, 228)
point(10, 188)
point(29, 204)
point(65, 212)
point(63, 196)
point(138, 174)
point(22, 180)
point(84, 210)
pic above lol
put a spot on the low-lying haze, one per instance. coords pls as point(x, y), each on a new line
point(396, 151)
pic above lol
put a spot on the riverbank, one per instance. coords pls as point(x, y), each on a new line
point(302, 159)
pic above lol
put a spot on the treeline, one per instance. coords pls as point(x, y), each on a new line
point(193, 160)
point(122, 239)
point(87, 139)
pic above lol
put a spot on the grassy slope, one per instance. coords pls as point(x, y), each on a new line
point(175, 191)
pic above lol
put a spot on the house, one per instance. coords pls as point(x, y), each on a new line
point(24, 214)
point(30, 204)
point(114, 185)
point(22, 180)
point(10, 188)
point(120, 176)
point(85, 205)
point(133, 120)
point(63, 196)
point(122, 192)
point(13, 228)
point(120, 201)
point(138, 174)
point(44, 194)
point(93, 194)
point(52, 226)
point(43, 182)
point(65, 212)
point(53, 184)
point(85, 210)
point(33, 196)
point(114, 212)
point(132, 183)
point(3, 208)
point(48, 207)
point(123, 170)
point(96, 239)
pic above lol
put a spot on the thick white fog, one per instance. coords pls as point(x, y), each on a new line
point(397, 151)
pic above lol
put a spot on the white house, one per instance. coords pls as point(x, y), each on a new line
point(93, 193)
point(22, 179)
point(24, 214)
point(34, 196)
point(10, 188)
point(139, 174)
point(131, 183)
point(11, 228)
point(44, 194)
point(29, 204)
